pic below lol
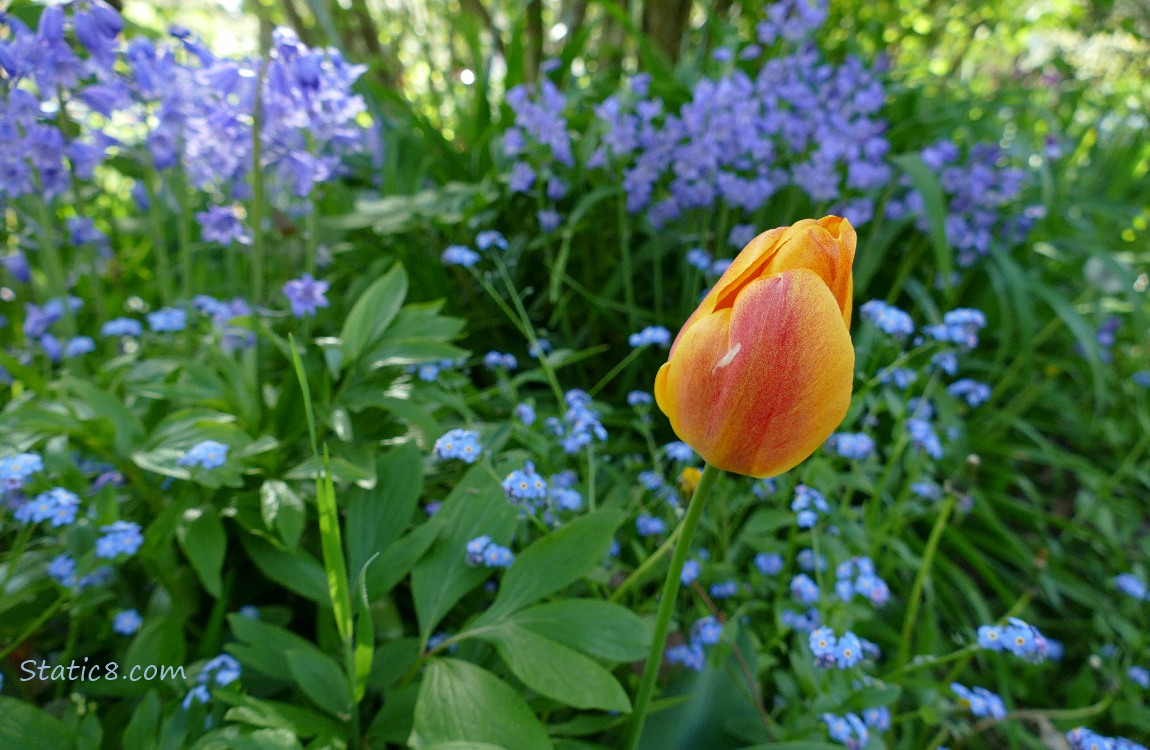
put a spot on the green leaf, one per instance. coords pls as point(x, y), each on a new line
point(376, 517)
point(555, 561)
point(476, 506)
point(332, 547)
point(237, 738)
point(553, 670)
point(465, 745)
point(459, 701)
point(25, 726)
point(141, 730)
point(202, 537)
point(296, 570)
point(263, 645)
point(282, 510)
point(372, 313)
point(320, 678)
point(399, 558)
point(258, 712)
point(602, 629)
point(924, 181)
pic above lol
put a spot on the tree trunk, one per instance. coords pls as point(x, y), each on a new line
point(665, 21)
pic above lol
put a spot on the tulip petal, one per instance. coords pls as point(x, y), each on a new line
point(756, 388)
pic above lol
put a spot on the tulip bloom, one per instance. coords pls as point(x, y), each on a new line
point(761, 373)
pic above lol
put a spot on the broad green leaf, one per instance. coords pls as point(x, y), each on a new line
point(296, 570)
point(320, 678)
point(400, 557)
point(556, 671)
point(237, 738)
point(141, 730)
point(602, 629)
point(372, 313)
point(475, 507)
point(377, 517)
point(262, 645)
point(555, 561)
point(926, 183)
point(460, 701)
point(283, 511)
point(258, 712)
point(26, 727)
point(202, 537)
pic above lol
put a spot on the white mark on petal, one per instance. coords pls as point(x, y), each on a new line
point(728, 358)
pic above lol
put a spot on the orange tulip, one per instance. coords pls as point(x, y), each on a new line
point(760, 375)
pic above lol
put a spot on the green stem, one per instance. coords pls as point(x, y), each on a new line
point(645, 567)
point(625, 258)
point(529, 330)
point(631, 356)
point(163, 263)
point(591, 477)
point(54, 266)
point(920, 579)
point(667, 605)
point(257, 205)
point(184, 234)
point(34, 626)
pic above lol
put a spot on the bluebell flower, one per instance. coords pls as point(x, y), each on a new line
point(79, 346)
point(769, 564)
point(459, 255)
point(901, 377)
point(699, 258)
point(525, 485)
point(724, 589)
point(525, 413)
point(741, 235)
point(981, 701)
point(679, 451)
point(488, 239)
point(945, 361)
point(52, 347)
point(119, 538)
point(62, 569)
point(1142, 378)
point(122, 327)
point(15, 470)
point(690, 655)
point(877, 717)
point(474, 549)
point(1139, 676)
point(809, 562)
point(1131, 585)
point(1081, 738)
point(974, 393)
point(888, 318)
point(922, 436)
point(498, 557)
point(167, 320)
point(639, 398)
point(223, 224)
point(856, 446)
point(17, 265)
point(522, 177)
point(127, 622)
point(580, 425)
point(206, 454)
point(306, 295)
point(549, 219)
point(647, 525)
point(850, 730)
point(763, 488)
point(37, 320)
point(652, 480)
point(706, 631)
point(804, 589)
point(719, 266)
point(690, 573)
point(458, 443)
point(803, 622)
point(494, 360)
point(651, 335)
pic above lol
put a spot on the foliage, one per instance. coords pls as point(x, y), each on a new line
point(419, 494)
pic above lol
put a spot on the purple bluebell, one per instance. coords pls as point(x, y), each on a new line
point(306, 295)
point(206, 454)
point(460, 444)
point(223, 224)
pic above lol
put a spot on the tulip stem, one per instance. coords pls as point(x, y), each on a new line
point(667, 604)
